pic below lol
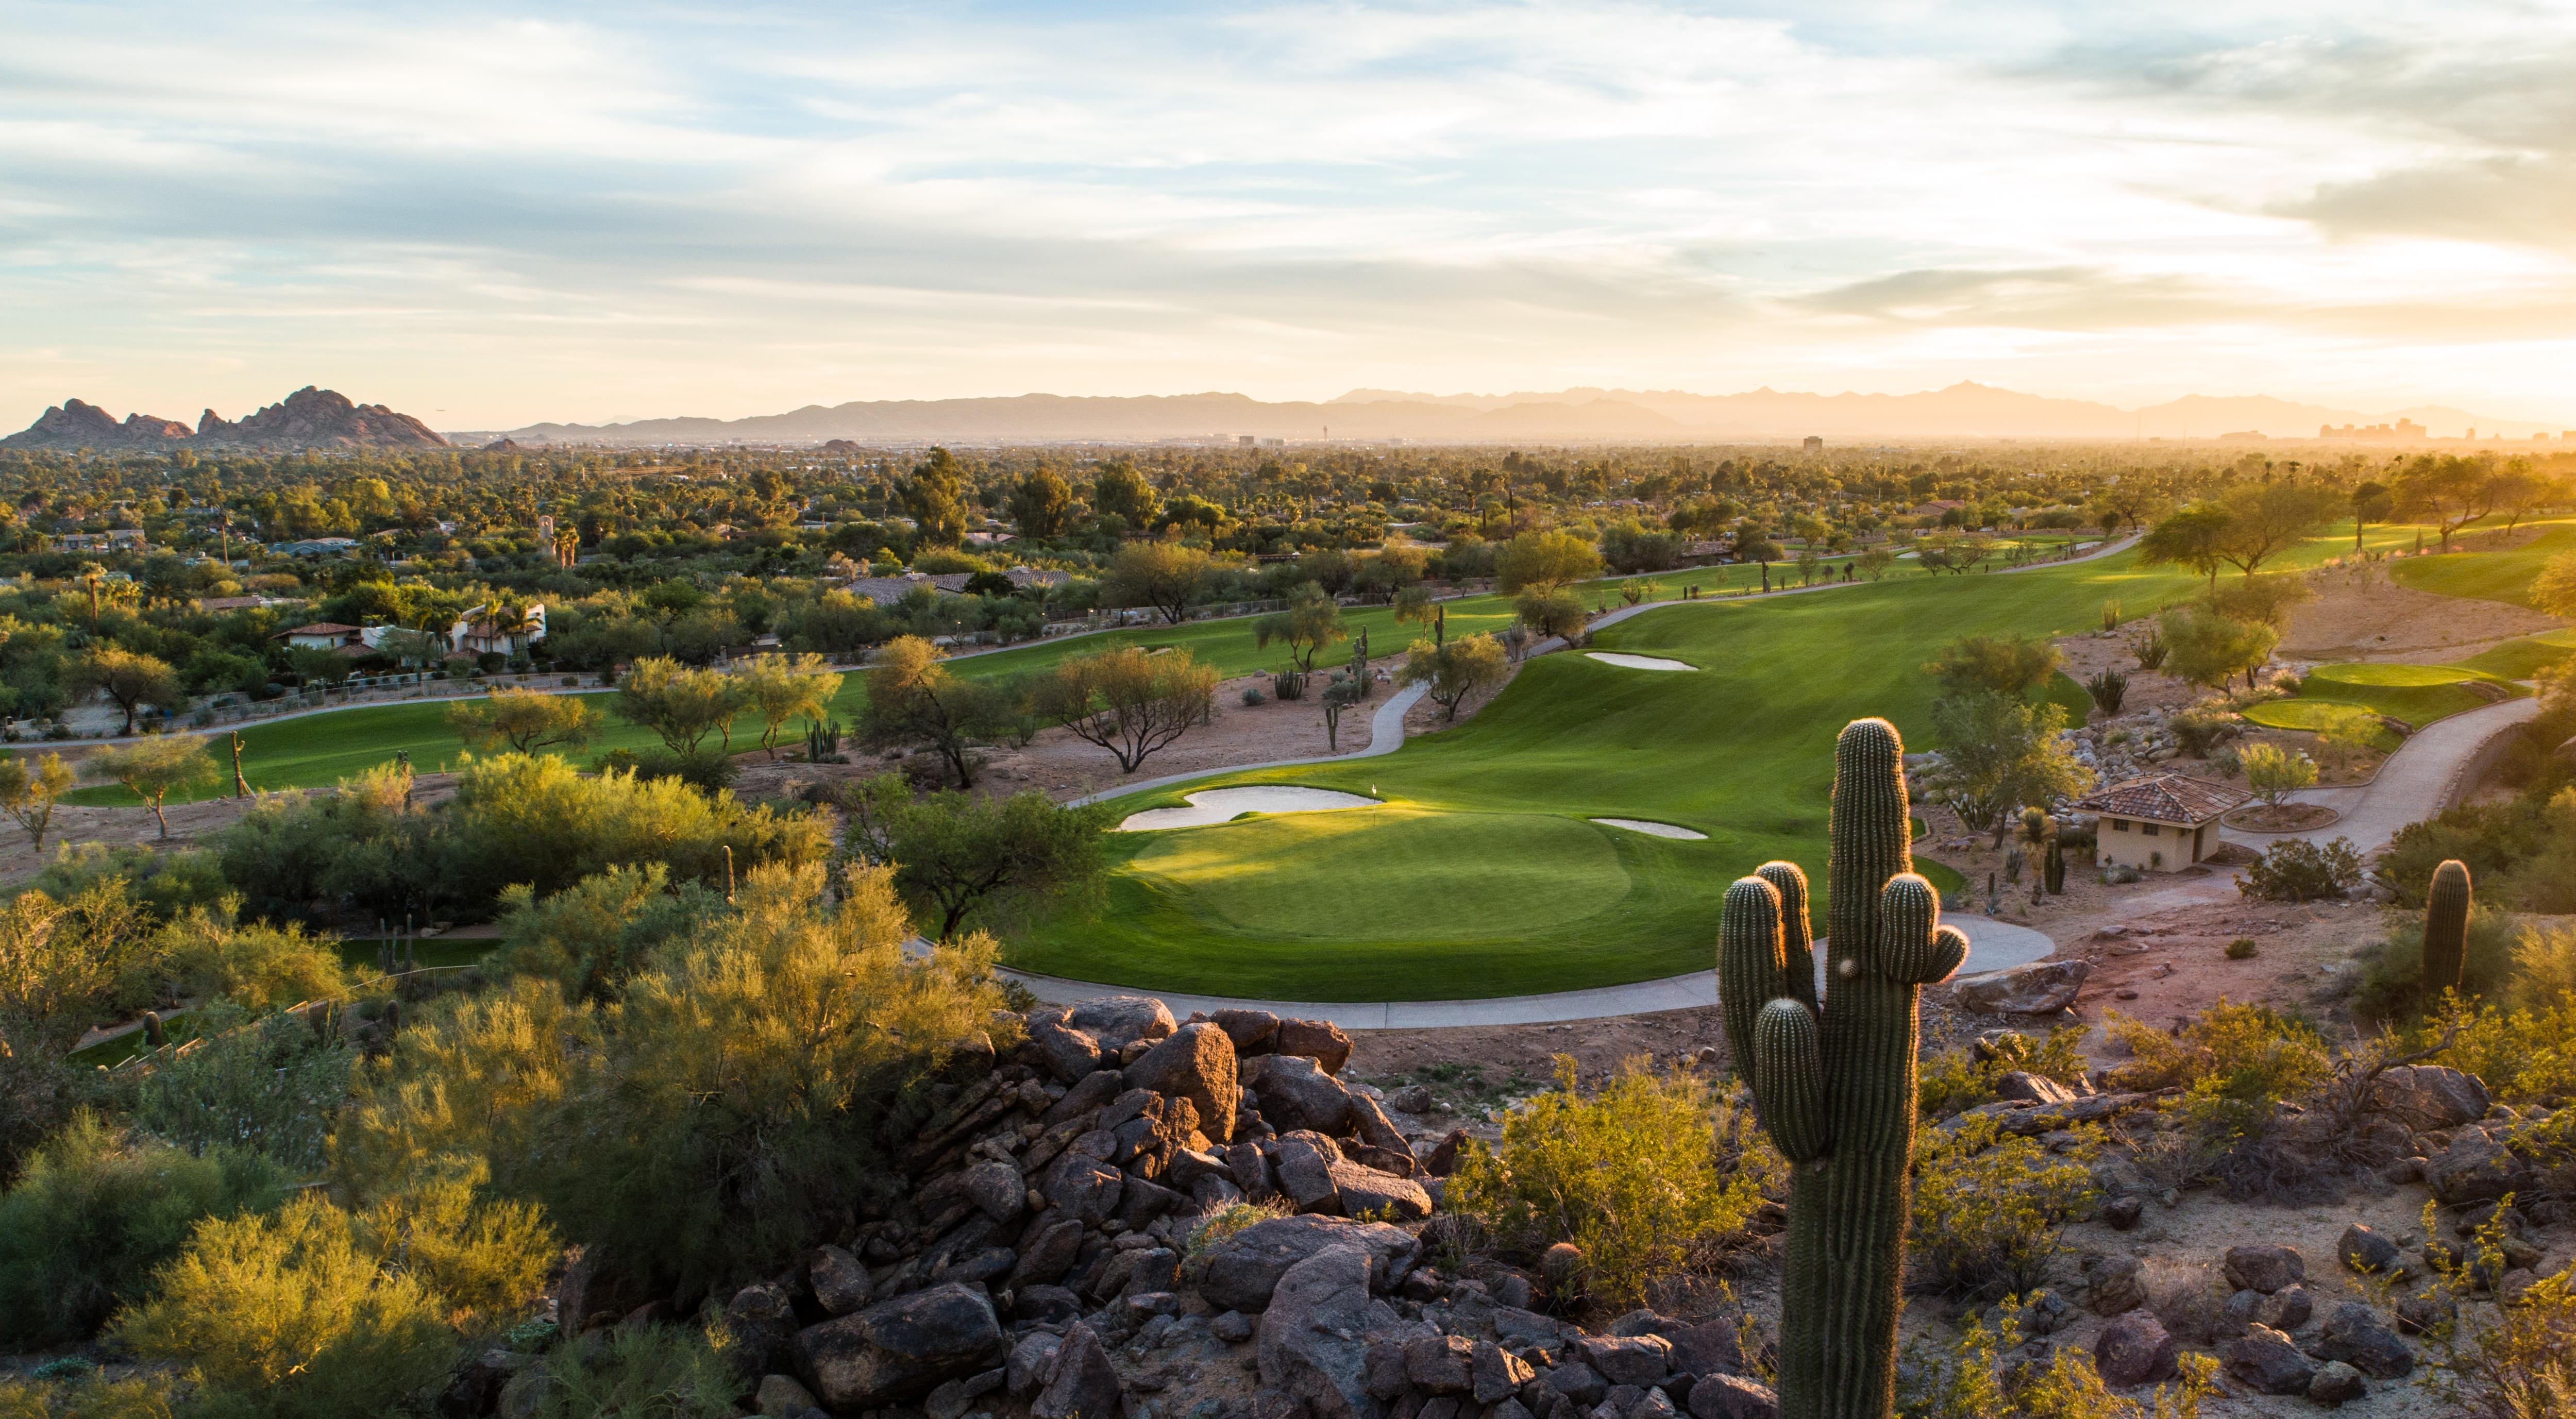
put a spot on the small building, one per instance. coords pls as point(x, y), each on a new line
point(1815, 443)
point(322, 635)
point(2163, 823)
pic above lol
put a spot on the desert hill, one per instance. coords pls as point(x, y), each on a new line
point(308, 418)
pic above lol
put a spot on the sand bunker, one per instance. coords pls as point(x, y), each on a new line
point(1217, 805)
point(1660, 830)
point(1638, 662)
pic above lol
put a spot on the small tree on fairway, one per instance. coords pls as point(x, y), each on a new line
point(954, 854)
point(2274, 773)
point(779, 688)
point(1414, 603)
point(912, 699)
point(1552, 613)
point(526, 720)
point(1455, 671)
point(2207, 648)
point(153, 768)
point(2345, 728)
point(1312, 621)
point(27, 793)
point(680, 705)
point(314, 665)
point(1127, 701)
point(130, 678)
point(1546, 562)
point(2001, 754)
point(2012, 666)
point(1163, 575)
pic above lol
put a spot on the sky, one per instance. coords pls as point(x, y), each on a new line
point(493, 216)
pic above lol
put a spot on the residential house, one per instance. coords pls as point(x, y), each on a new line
point(2165, 822)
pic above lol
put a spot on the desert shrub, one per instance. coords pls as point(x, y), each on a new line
point(1989, 1207)
point(1954, 1081)
point(482, 1256)
point(592, 936)
point(2199, 728)
point(1970, 1381)
point(164, 884)
point(2544, 968)
point(270, 1087)
point(2274, 773)
point(2391, 982)
point(2521, 850)
point(2507, 1362)
point(2242, 949)
point(651, 1372)
point(257, 967)
point(2524, 1055)
point(2232, 1061)
point(706, 770)
point(63, 964)
point(719, 1115)
point(96, 1211)
point(2295, 870)
point(89, 1395)
point(1649, 1177)
point(1233, 1217)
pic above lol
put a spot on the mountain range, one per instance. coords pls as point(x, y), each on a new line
point(308, 418)
point(1964, 410)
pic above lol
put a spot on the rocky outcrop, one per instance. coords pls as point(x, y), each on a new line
point(2040, 988)
point(309, 418)
point(899, 1350)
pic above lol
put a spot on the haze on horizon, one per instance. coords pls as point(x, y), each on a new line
point(489, 217)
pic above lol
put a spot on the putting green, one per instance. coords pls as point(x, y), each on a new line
point(2410, 676)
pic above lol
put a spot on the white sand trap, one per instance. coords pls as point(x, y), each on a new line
point(1217, 805)
point(1660, 830)
point(1638, 662)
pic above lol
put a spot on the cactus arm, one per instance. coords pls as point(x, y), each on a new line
point(2446, 928)
point(1913, 949)
point(1751, 961)
point(1797, 937)
point(1789, 1080)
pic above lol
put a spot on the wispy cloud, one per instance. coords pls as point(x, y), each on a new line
point(573, 211)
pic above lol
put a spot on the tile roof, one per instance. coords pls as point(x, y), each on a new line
point(2167, 798)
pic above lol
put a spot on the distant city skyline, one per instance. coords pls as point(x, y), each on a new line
point(493, 217)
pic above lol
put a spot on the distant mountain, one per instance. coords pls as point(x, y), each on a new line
point(308, 418)
point(1583, 415)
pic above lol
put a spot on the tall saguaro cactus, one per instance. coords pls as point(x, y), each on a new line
point(1835, 1079)
point(2446, 927)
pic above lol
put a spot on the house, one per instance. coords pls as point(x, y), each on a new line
point(2162, 823)
point(123, 539)
point(324, 635)
point(478, 632)
point(314, 547)
point(1937, 506)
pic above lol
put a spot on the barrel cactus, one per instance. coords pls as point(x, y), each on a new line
point(2446, 927)
point(1834, 1077)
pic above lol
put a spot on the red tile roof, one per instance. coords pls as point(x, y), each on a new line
point(2166, 798)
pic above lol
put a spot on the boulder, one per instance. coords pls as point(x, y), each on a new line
point(1378, 1131)
point(1241, 1272)
point(1031, 1360)
point(840, 1281)
point(1732, 1397)
point(2366, 1251)
point(953, 1399)
point(1305, 1161)
point(1071, 1055)
point(1578, 1382)
point(1046, 1305)
point(2121, 1214)
point(1714, 1348)
point(1440, 1364)
point(2476, 1168)
point(1499, 1374)
point(2426, 1097)
point(2035, 1088)
point(1365, 1192)
point(762, 1321)
point(1079, 1382)
point(897, 1351)
point(2264, 1267)
point(2040, 988)
point(2286, 1309)
point(1639, 1360)
point(2423, 1315)
point(1250, 1169)
point(1140, 1202)
point(2353, 1334)
point(1445, 1156)
point(2117, 1285)
point(1087, 1094)
point(1046, 1257)
point(1252, 1031)
point(2266, 1362)
point(781, 1397)
point(1119, 1020)
point(2337, 1383)
point(1319, 1040)
point(1296, 1093)
point(996, 1188)
point(1312, 1345)
point(1084, 1189)
point(1195, 1063)
point(595, 1289)
point(2134, 1350)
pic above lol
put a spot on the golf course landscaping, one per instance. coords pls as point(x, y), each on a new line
point(2417, 694)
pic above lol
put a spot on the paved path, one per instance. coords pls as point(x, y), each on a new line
point(1992, 946)
point(2416, 782)
point(1386, 735)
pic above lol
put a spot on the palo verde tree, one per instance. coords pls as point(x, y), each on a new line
point(1128, 701)
point(1455, 670)
point(154, 768)
point(1311, 622)
point(131, 679)
point(953, 854)
point(1163, 575)
point(680, 705)
point(29, 790)
point(779, 688)
point(914, 700)
point(1546, 562)
point(525, 720)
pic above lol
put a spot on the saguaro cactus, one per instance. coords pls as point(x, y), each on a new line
point(2446, 927)
point(1835, 1081)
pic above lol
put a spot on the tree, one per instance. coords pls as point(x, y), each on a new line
point(680, 705)
point(912, 699)
point(28, 794)
point(1128, 701)
point(1118, 488)
point(2274, 773)
point(2006, 665)
point(2205, 648)
point(1546, 562)
point(1311, 622)
point(953, 854)
point(932, 497)
point(526, 720)
point(2269, 599)
point(2554, 590)
point(1163, 575)
point(2370, 503)
point(1455, 670)
point(2267, 518)
point(1042, 504)
point(130, 678)
point(1415, 603)
point(2188, 538)
point(1631, 546)
point(2135, 502)
point(2345, 728)
point(1551, 613)
point(152, 769)
point(2446, 490)
point(2000, 754)
point(313, 663)
point(1875, 560)
point(781, 687)
point(2518, 492)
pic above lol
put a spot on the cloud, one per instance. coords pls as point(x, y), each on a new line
point(2529, 201)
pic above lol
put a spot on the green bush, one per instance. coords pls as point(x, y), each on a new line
point(1971, 1382)
point(96, 1211)
point(164, 884)
point(1989, 1207)
point(271, 1086)
point(2521, 851)
point(651, 1372)
point(2391, 984)
point(2296, 870)
point(2232, 1061)
point(63, 965)
point(1955, 1081)
point(1652, 1177)
point(90, 1395)
point(2242, 949)
point(590, 937)
point(257, 967)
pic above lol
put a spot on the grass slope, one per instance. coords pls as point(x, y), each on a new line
point(2487, 576)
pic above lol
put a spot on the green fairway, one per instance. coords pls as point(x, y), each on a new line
point(2487, 576)
point(1482, 877)
point(2524, 656)
point(2417, 694)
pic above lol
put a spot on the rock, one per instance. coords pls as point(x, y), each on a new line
point(1296, 1093)
point(1047, 1305)
point(1732, 1397)
point(1311, 1335)
point(1232, 1327)
point(2405, 1170)
point(2509, 1291)
point(2353, 1334)
point(1366, 1192)
point(1510, 1409)
point(1445, 1156)
point(2118, 1285)
point(2266, 1362)
point(2240, 1312)
point(2425, 1097)
point(1440, 1364)
point(2034, 1088)
point(2122, 1213)
point(1252, 1031)
point(1118, 1021)
point(477, 1387)
point(1579, 1382)
point(1714, 1348)
point(526, 1394)
point(2134, 1350)
point(2264, 1267)
point(2044, 1312)
point(2476, 1168)
point(1084, 1189)
point(1087, 1094)
point(1191, 1164)
point(1628, 1360)
point(1071, 1055)
point(594, 1289)
point(1195, 1063)
point(1241, 1272)
point(840, 1281)
point(1045, 1258)
point(2366, 1251)
point(1499, 1373)
point(1030, 1361)
point(1654, 1405)
point(2286, 1309)
point(1411, 1099)
point(781, 1397)
point(2040, 988)
point(1251, 1170)
point(2337, 1383)
point(996, 1188)
point(1376, 1130)
point(898, 1350)
point(1079, 1383)
point(951, 1400)
point(1304, 1161)
point(1319, 1040)
point(762, 1321)
point(1157, 1269)
point(2423, 1315)
point(1140, 1202)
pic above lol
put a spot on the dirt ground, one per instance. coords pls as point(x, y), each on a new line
point(2360, 615)
point(2092, 652)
